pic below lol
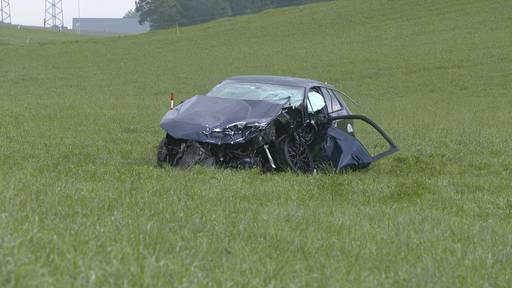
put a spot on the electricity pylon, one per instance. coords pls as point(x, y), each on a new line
point(53, 14)
point(5, 12)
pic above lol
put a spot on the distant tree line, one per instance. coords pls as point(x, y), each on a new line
point(166, 13)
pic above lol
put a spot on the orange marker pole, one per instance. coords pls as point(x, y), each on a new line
point(171, 100)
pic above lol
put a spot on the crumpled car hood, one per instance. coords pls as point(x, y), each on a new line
point(219, 120)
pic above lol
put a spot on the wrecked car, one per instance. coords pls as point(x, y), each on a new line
point(270, 123)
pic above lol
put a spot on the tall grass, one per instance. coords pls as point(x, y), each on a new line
point(82, 202)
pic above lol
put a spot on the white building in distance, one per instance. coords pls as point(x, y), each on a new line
point(109, 25)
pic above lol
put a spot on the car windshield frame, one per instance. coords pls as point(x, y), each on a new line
point(258, 92)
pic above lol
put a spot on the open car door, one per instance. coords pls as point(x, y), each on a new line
point(346, 152)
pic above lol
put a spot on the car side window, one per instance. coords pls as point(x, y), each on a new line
point(336, 105)
point(333, 105)
point(316, 101)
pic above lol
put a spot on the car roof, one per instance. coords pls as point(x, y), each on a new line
point(279, 80)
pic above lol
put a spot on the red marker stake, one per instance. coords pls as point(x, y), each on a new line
point(171, 99)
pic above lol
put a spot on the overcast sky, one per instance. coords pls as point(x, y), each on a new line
point(31, 12)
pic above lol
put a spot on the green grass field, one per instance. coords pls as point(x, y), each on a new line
point(82, 202)
point(23, 35)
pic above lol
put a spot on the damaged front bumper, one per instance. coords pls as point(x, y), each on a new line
point(262, 148)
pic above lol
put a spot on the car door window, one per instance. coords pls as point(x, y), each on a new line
point(336, 105)
point(339, 97)
point(333, 105)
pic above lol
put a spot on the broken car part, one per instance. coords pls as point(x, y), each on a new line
point(267, 122)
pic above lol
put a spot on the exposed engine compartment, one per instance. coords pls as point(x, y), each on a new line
point(276, 146)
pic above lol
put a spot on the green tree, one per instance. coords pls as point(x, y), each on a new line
point(131, 14)
point(159, 13)
point(166, 13)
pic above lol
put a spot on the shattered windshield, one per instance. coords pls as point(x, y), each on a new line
point(259, 91)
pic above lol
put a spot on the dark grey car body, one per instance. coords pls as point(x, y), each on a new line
point(278, 133)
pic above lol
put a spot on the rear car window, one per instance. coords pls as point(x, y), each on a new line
point(333, 105)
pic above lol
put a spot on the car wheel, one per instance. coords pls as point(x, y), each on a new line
point(162, 155)
point(297, 156)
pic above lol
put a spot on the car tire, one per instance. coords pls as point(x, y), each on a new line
point(162, 156)
point(297, 156)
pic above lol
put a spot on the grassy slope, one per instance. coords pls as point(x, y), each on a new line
point(13, 35)
point(82, 203)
